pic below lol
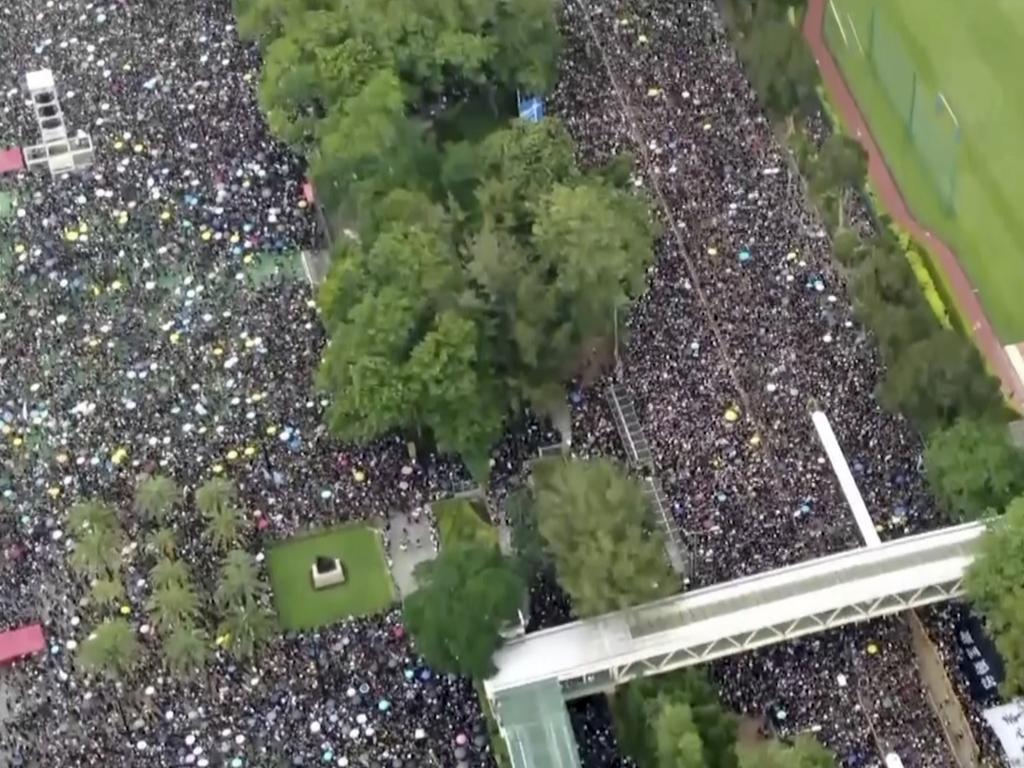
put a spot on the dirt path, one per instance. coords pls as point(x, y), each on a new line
point(984, 335)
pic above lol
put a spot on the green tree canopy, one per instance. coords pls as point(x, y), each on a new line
point(804, 752)
point(240, 582)
point(646, 734)
point(155, 497)
point(173, 605)
point(995, 585)
point(215, 494)
point(527, 542)
point(840, 169)
point(973, 468)
point(401, 354)
point(186, 650)
point(166, 572)
point(779, 63)
point(939, 379)
point(97, 553)
point(244, 629)
point(677, 740)
point(467, 595)
point(112, 649)
point(597, 525)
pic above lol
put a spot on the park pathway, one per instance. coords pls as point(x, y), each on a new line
point(967, 300)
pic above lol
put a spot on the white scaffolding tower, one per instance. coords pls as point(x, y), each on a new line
point(57, 150)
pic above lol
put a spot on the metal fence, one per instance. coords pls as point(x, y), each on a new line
point(872, 39)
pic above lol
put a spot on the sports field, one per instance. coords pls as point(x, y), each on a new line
point(949, 120)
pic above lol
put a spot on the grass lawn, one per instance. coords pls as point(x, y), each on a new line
point(974, 56)
point(367, 588)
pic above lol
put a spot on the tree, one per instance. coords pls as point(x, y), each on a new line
point(162, 543)
point(245, 628)
point(939, 379)
point(995, 585)
point(215, 495)
point(222, 527)
point(155, 497)
point(527, 542)
point(885, 275)
point(780, 65)
point(637, 708)
point(401, 354)
point(467, 595)
point(518, 164)
point(173, 605)
point(106, 592)
point(804, 752)
point(841, 168)
point(545, 298)
point(849, 249)
point(93, 514)
point(112, 649)
point(677, 739)
point(897, 326)
point(97, 553)
point(597, 524)
point(973, 468)
point(240, 582)
point(167, 572)
point(185, 649)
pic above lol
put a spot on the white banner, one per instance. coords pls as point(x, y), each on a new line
point(1007, 721)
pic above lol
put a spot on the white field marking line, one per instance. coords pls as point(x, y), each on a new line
point(949, 109)
point(1013, 351)
point(839, 21)
point(856, 37)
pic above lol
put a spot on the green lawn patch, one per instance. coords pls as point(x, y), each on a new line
point(463, 520)
point(974, 60)
point(367, 588)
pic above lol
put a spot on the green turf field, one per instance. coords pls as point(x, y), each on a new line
point(973, 54)
point(367, 588)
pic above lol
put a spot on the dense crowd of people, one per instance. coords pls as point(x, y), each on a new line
point(156, 318)
point(746, 329)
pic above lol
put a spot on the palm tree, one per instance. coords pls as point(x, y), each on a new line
point(185, 650)
point(162, 542)
point(222, 527)
point(167, 572)
point(107, 591)
point(246, 628)
point(97, 553)
point(215, 495)
point(239, 580)
point(155, 497)
point(111, 650)
point(92, 514)
point(173, 606)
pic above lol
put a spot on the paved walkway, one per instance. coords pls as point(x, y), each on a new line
point(984, 335)
point(410, 544)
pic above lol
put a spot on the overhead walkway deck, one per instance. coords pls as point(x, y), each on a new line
point(696, 627)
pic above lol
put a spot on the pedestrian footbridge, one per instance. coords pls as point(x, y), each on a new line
point(598, 654)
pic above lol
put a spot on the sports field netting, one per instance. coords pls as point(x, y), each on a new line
point(939, 88)
point(925, 111)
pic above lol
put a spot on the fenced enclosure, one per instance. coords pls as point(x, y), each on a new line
point(928, 117)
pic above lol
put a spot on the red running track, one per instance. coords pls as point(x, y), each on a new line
point(967, 300)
